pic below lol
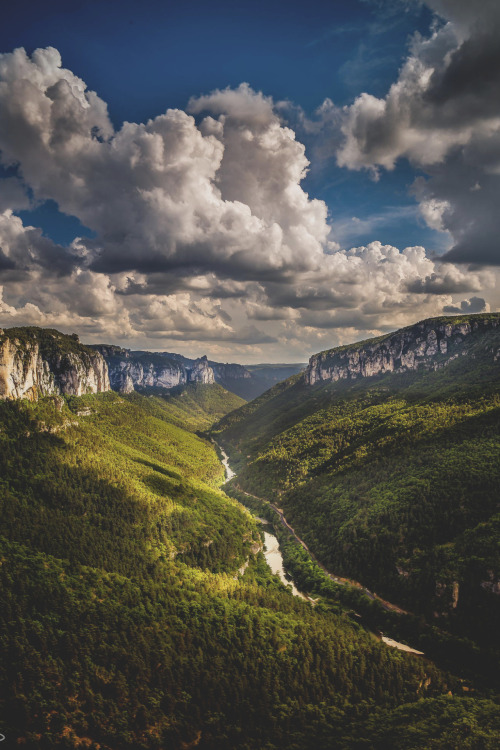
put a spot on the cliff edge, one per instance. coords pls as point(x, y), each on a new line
point(42, 362)
point(428, 345)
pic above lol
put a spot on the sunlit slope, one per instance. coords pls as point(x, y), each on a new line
point(119, 486)
point(393, 480)
point(194, 407)
point(123, 622)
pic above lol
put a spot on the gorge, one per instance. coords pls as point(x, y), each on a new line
point(141, 572)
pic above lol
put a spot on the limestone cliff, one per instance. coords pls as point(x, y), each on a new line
point(129, 370)
point(428, 345)
point(227, 372)
point(201, 372)
point(42, 362)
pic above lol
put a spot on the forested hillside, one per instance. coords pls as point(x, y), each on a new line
point(194, 406)
point(124, 622)
point(393, 480)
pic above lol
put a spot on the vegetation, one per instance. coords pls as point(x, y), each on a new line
point(123, 621)
point(391, 480)
point(475, 666)
point(194, 407)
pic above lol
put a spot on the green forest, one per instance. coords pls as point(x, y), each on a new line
point(392, 480)
point(126, 622)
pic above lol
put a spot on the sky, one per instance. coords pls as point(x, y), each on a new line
point(256, 181)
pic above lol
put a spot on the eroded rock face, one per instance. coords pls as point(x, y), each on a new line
point(128, 369)
point(428, 345)
point(224, 372)
point(126, 375)
point(201, 372)
point(42, 362)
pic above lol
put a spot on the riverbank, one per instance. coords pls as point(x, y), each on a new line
point(275, 560)
point(458, 655)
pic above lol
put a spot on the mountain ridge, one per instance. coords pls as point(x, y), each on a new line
point(391, 477)
point(411, 348)
point(130, 370)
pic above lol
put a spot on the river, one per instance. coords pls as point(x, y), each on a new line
point(274, 559)
point(271, 550)
point(225, 462)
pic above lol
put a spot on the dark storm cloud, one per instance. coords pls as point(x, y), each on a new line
point(470, 83)
point(6, 264)
point(472, 305)
point(449, 281)
point(443, 114)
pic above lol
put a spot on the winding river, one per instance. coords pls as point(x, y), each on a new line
point(274, 559)
point(271, 549)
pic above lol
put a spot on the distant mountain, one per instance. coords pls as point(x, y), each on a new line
point(265, 376)
point(385, 456)
point(136, 370)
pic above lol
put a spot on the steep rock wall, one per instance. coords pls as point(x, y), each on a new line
point(223, 372)
point(201, 372)
point(429, 345)
point(42, 362)
point(128, 369)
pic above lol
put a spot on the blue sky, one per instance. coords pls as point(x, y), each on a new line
point(257, 181)
point(145, 57)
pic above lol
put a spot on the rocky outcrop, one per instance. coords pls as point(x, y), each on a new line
point(129, 370)
point(428, 345)
point(228, 372)
point(201, 372)
point(42, 362)
point(142, 369)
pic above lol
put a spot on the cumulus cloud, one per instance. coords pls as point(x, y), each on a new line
point(165, 195)
point(202, 231)
point(443, 114)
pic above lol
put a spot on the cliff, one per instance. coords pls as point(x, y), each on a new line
point(428, 345)
point(201, 372)
point(228, 372)
point(128, 369)
point(141, 369)
point(41, 362)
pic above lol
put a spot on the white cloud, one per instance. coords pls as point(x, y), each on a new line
point(203, 232)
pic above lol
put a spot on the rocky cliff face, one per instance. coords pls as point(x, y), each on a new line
point(223, 372)
point(201, 372)
point(428, 345)
point(128, 370)
point(142, 369)
point(42, 362)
